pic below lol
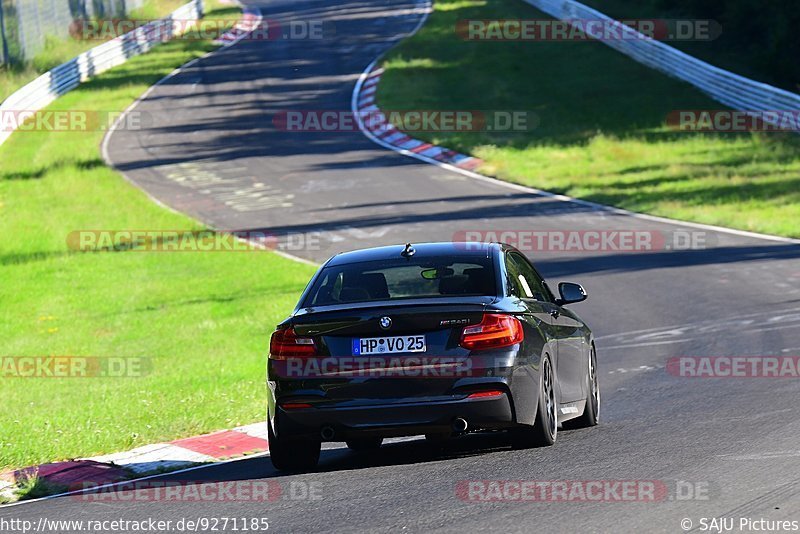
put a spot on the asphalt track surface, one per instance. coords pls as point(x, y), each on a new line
point(213, 151)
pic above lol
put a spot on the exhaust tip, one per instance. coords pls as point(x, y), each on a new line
point(327, 433)
point(460, 425)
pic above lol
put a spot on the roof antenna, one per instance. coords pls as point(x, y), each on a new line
point(408, 251)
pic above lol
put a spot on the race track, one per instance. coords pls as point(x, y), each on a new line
point(214, 152)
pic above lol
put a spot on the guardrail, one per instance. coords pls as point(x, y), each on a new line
point(42, 91)
point(726, 87)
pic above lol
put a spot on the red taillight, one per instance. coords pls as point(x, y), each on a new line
point(493, 332)
point(488, 393)
point(286, 344)
point(295, 405)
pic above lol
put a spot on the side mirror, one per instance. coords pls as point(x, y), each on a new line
point(570, 293)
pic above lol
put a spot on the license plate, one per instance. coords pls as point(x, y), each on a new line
point(388, 345)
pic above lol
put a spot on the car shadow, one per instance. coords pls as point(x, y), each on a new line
point(342, 459)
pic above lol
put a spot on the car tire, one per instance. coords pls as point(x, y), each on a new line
point(292, 454)
point(364, 444)
point(544, 431)
point(591, 411)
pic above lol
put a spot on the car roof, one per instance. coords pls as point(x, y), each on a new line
point(421, 250)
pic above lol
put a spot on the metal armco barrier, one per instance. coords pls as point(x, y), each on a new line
point(726, 87)
point(42, 91)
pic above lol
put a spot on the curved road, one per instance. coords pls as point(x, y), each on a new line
point(214, 152)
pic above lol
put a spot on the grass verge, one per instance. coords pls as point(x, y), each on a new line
point(752, 39)
point(33, 487)
point(201, 320)
point(602, 134)
point(57, 51)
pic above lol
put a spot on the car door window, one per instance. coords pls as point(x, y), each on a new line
point(515, 287)
point(528, 283)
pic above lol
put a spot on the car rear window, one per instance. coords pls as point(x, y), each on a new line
point(402, 278)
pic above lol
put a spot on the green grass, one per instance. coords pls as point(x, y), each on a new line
point(31, 486)
point(753, 45)
point(57, 51)
point(203, 319)
point(602, 134)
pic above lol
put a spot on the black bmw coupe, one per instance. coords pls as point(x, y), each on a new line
point(437, 339)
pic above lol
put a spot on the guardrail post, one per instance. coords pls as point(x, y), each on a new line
point(46, 88)
point(3, 41)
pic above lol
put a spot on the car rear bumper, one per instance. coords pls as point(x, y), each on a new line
point(395, 419)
